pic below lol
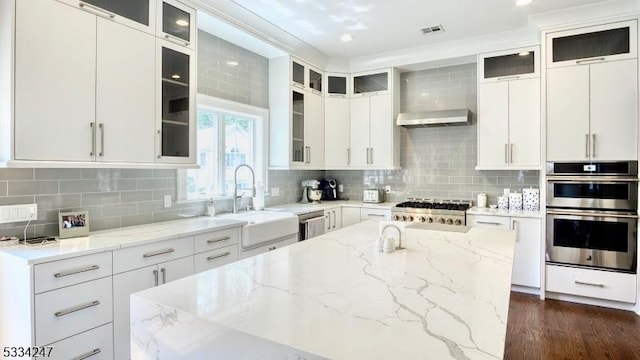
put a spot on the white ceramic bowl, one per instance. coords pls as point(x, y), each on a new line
point(314, 195)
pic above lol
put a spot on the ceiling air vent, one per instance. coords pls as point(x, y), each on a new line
point(432, 30)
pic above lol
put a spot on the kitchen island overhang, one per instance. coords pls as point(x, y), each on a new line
point(334, 297)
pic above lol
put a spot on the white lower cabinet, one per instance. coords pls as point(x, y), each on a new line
point(350, 216)
point(71, 310)
point(270, 247)
point(375, 214)
point(215, 258)
point(526, 257)
point(333, 219)
point(129, 282)
point(597, 284)
point(95, 344)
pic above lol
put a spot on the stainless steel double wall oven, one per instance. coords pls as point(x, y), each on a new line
point(592, 214)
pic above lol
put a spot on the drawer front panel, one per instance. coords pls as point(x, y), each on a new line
point(489, 222)
point(95, 344)
point(215, 258)
point(591, 283)
point(65, 312)
point(270, 247)
point(57, 274)
point(151, 254)
point(375, 214)
point(216, 239)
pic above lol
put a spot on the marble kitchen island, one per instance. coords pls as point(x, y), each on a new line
point(333, 297)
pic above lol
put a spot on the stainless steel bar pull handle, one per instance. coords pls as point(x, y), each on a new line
point(272, 248)
point(376, 215)
point(77, 308)
point(101, 139)
point(334, 220)
point(511, 153)
point(93, 139)
point(155, 277)
point(586, 141)
point(163, 271)
point(488, 223)
point(371, 156)
point(588, 284)
point(76, 271)
point(514, 77)
point(176, 39)
point(88, 355)
point(96, 10)
point(348, 156)
point(589, 60)
point(328, 221)
point(506, 153)
point(159, 252)
point(213, 241)
point(593, 145)
point(213, 257)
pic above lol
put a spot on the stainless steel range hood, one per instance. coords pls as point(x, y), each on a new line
point(434, 118)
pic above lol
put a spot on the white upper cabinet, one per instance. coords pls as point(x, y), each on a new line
point(336, 85)
point(608, 42)
point(315, 80)
point(336, 132)
point(509, 110)
point(176, 23)
point(138, 14)
point(371, 83)
point(592, 102)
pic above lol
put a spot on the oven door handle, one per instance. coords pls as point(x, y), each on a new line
point(592, 179)
point(591, 214)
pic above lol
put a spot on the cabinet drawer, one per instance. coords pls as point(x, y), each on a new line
point(57, 274)
point(151, 254)
point(95, 344)
point(71, 310)
point(270, 247)
point(489, 222)
point(591, 283)
point(216, 239)
point(215, 258)
point(375, 214)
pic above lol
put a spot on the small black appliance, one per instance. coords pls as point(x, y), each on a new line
point(329, 189)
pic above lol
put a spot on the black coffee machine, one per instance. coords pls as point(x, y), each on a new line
point(329, 189)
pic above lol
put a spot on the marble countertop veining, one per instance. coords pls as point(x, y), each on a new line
point(107, 240)
point(445, 296)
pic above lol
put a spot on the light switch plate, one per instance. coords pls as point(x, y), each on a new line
point(18, 213)
point(167, 201)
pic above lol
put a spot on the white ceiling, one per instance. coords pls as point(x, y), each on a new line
point(385, 25)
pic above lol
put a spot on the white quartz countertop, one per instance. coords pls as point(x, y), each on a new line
point(509, 213)
point(445, 296)
point(300, 208)
point(107, 240)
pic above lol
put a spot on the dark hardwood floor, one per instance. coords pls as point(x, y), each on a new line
point(560, 330)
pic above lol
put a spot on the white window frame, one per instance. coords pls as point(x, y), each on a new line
point(261, 143)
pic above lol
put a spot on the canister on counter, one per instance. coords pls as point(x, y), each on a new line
point(503, 202)
point(482, 200)
point(531, 199)
point(515, 201)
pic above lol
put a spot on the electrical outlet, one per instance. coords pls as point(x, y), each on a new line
point(18, 213)
point(167, 201)
point(387, 189)
point(340, 188)
point(275, 191)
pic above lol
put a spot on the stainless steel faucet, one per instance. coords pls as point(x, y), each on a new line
point(399, 234)
point(235, 184)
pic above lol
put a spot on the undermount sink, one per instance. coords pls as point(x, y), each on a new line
point(264, 226)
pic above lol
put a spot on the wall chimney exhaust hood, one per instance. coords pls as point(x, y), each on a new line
point(434, 118)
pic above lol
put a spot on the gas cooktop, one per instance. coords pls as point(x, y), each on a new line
point(451, 212)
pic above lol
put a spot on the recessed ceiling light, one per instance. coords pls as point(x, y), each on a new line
point(175, 76)
point(346, 37)
point(522, 2)
point(182, 22)
point(524, 53)
point(232, 63)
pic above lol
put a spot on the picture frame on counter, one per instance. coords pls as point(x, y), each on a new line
point(73, 224)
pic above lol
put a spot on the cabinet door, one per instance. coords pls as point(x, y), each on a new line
point(55, 67)
point(350, 216)
point(511, 64)
point(175, 269)
point(524, 123)
point(176, 102)
point(124, 285)
point(568, 113)
point(125, 102)
point(336, 85)
point(614, 115)
point(314, 130)
point(368, 83)
point(336, 133)
point(381, 130)
point(493, 120)
point(359, 131)
point(132, 13)
point(298, 124)
point(526, 259)
point(176, 23)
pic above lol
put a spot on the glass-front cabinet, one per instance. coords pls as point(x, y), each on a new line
point(135, 13)
point(176, 23)
point(509, 65)
point(176, 103)
point(336, 84)
point(297, 127)
point(297, 74)
point(615, 41)
point(315, 81)
point(371, 83)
